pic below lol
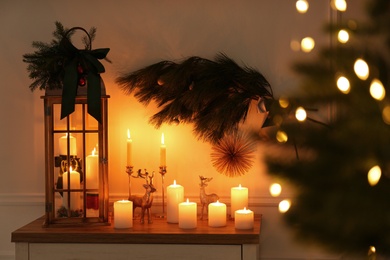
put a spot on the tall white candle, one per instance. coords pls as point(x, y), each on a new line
point(74, 180)
point(187, 215)
point(175, 195)
point(129, 149)
point(239, 199)
point(92, 171)
point(123, 214)
point(243, 219)
point(63, 145)
point(163, 152)
point(217, 214)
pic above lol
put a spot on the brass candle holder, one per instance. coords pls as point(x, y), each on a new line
point(129, 171)
point(162, 171)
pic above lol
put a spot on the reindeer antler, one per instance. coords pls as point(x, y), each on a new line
point(151, 178)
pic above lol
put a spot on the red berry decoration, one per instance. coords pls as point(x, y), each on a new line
point(82, 81)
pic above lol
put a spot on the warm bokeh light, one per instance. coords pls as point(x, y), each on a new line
point(283, 102)
point(361, 69)
point(343, 36)
point(372, 249)
point(302, 6)
point(284, 206)
point(295, 45)
point(339, 5)
point(281, 136)
point(307, 44)
point(386, 114)
point(377, 90)
point(275, 189)
point(343, 84)
point(300, 114)
point(374, 174)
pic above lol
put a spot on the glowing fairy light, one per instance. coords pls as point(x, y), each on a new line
point(343, 84)
point(281, 136)
point(386, 114)
point(307, 44)
point(361, 69)
point(374, 175)
point(283, 102)
point(284, 206)
point(343, 36)
point(339, 5)
point(302, 6)
point(377, 90)
point(300, 114)
point(275, 189)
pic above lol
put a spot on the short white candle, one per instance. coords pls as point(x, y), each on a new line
point(74, 180)
point(239, 199)
point(243, 219)
point(92, 171)
point(123, 214)
point(63, 145)
point(217, 214)
point(175, 195)
point(187, 215)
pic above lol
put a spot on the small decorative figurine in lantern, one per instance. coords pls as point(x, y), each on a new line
point(75, 109)
point(206, 199)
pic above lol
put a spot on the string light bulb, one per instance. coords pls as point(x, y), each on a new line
point(361, 69)
point(302, 6)
point(284, 206)
point(339, 5)
point(343, 84)
point(377, 90)
point(307, 44)
point(281, 136)
point(374, 175)
point(275, 189)
point(343, 36)
point(300, 114)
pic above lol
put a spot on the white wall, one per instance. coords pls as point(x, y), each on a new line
point(256, 33)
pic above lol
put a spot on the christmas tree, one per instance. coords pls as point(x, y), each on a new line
point(333, 140)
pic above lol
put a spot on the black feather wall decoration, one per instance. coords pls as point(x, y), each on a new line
point(213, 95)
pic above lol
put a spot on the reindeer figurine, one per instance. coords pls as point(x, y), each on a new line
point(145, 201)
point(206, 199)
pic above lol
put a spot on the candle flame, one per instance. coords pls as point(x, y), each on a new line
point(70, 168)
point(94, 151)
point(244, 208)
point(239, 186)
point(188, 200)
point(128, 134)
point(162, 139)
point(174, 182)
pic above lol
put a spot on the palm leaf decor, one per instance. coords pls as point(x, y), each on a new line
point(212, 95)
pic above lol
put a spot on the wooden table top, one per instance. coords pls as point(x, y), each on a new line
point(159, 232)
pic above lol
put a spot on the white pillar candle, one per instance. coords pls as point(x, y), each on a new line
point(163, 152)
point(175, 195)
point(129, 149)
point(74, 180)
point(217, 214)
point(243, 219)
point(123, 214)
point(187, 215)
point(92, 171)
point(63, 145)
point(239, 199)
